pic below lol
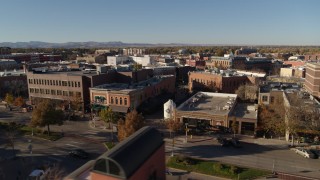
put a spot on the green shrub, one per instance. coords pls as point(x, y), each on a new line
point(180, 158)
point(109, 145)
point(234, 169)
point(218, 166)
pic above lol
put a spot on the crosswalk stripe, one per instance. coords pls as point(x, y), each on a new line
point(72, 145)
point(76, 142)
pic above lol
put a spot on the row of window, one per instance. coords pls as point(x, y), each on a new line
point(54, 82)
point(55, 92)
point(226, 83)
point(112, 100)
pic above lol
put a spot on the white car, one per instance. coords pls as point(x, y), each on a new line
point(305, 153)
point(38, 174)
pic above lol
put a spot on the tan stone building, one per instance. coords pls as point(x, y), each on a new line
point(219, 62)
point(312, 82)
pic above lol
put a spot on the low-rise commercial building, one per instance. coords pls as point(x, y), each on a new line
point(125, 97)
point(217, 109)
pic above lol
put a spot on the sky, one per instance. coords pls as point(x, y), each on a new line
point(251, 22)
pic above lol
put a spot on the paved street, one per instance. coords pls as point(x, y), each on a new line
point(259, 153)
point(44, 151)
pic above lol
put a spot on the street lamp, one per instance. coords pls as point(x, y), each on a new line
point(30, 148)
point(172, 145)
point(186, 124)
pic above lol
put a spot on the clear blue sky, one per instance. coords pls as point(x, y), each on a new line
point(272, 22)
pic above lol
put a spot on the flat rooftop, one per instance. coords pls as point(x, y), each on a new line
point(69, 73)
point(245, 110)
point(279, 86)
point(209, 103)
point(231, 73)
point(132, 87)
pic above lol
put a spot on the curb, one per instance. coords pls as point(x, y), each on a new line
point(191, 172)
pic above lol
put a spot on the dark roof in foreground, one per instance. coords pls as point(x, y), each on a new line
point(131, 153)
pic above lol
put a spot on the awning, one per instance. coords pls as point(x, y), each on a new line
point(119, 109)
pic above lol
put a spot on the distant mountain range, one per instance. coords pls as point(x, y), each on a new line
point(114, 44)
point(89, 44)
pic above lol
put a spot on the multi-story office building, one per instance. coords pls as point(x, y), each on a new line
point(65, 86)
point(312, 82)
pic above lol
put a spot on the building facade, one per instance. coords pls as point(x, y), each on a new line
point(64, 86)
point(219, 62)
point(312, 80)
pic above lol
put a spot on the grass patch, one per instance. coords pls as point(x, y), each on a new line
point(27, 130)
point(109, 145)
point(214, 168)
point(53, 136)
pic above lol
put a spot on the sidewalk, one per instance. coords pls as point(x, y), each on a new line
point(178, 174)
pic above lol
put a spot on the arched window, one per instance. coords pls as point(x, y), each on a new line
point(125, 101)
point(116, 100)
point(121, 101)
point(111, 100)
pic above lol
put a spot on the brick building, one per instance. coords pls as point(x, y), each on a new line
point(199, 64)
point(258, 64)
point(124, 97)
point(312, 82)
point(312, 57)
point(18, 82)
point(225, 82)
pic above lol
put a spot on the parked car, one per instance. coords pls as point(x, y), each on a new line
point(305, 153)
point(223, 141)
point(316, 152)
point(235, 142)
point(79, 153)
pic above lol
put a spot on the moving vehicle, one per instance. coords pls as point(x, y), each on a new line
point(305, 153)
point(38, 174)
point(79, 153)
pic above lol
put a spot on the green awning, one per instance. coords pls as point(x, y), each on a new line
point(97, 107)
